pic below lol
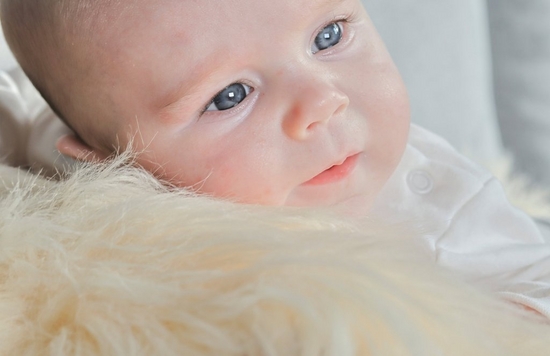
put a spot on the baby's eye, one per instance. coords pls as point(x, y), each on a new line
point(229, 97)
point(329, 36)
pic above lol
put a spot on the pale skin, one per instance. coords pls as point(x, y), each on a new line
point(305, 108)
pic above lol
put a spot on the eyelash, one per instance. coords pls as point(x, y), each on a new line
point(344, 20)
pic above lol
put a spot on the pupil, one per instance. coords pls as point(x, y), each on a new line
point(328, 37)
point(230, 97)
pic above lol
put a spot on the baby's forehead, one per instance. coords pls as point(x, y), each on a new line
point(209, 10)
point(193, 36)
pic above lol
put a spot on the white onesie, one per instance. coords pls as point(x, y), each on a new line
point(470, 226)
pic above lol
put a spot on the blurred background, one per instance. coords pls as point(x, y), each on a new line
point(478, 73)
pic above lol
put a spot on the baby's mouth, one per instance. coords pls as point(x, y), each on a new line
point(336, 172)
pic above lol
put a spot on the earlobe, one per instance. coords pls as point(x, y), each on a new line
point(74, 147)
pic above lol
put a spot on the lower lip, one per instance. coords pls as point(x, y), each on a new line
point(335, 173)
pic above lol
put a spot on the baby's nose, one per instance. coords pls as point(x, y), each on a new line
point(312, 107)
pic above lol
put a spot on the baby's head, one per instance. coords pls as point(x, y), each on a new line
point(279, 102)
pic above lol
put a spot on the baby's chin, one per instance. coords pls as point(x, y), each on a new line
point(352, 204)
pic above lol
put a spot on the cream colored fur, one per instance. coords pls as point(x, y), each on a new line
point(109, 262)
point(521, 189)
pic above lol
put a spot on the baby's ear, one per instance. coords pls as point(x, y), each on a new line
point(74, 147)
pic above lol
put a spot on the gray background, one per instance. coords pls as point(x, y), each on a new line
point(478, 73)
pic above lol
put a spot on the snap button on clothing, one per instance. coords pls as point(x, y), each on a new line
point(420, 182)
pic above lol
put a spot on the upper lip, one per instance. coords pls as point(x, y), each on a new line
point(342, 160)
point(338, 162)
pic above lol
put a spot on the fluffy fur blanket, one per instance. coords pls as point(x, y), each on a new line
point(109, 262)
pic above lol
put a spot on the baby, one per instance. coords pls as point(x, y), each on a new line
point(250, 100)
point(287, 102)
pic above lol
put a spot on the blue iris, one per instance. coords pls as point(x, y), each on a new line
point(328, 37)
point(230, 97)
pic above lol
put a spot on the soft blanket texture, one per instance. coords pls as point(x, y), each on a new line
point(110, 262)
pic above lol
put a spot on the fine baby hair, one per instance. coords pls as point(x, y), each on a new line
point(52, 41)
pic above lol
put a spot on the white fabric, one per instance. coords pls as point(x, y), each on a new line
point(28, 127)
point(468, 222)
point(7, 60)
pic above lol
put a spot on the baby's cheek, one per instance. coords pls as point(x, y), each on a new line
point(181, 173)
point(243, 173)
point(224, 180)
point(244, 187)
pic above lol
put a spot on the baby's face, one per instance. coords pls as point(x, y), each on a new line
point(277, 102)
